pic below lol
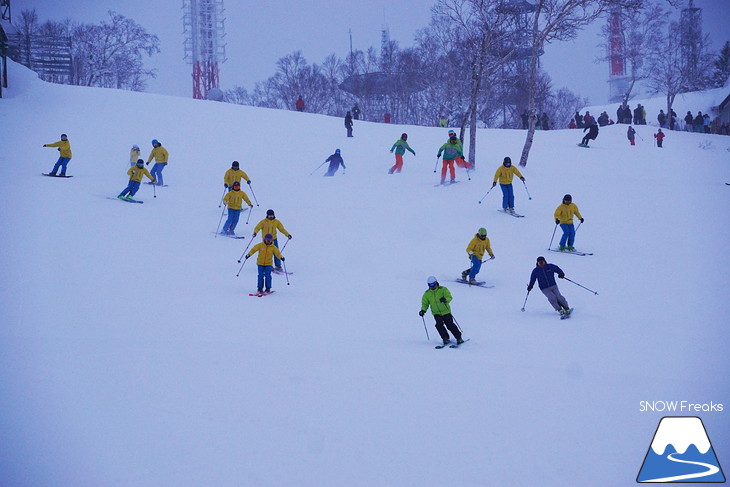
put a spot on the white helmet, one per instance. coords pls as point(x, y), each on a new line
point(431, 280)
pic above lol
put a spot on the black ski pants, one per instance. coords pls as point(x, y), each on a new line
point(446, 321)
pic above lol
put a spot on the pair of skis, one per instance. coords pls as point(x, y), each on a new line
point(451, 345)
point(574, 252)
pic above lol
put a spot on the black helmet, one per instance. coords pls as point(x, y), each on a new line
point(567, 197)
point(234, 165)
point(270, 213)
point(507, 160)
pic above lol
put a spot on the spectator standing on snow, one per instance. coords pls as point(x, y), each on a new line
point(299, 105)
point(659, 136)
point(234, 174)
point(335, 161)
point(356, 112)
point(662, 119)
point(475, 250)
point(438, 298)
point(234, 201)
point(64, 149)
point(544, 274)
point(688, 122)
point(160, 155)
point(135, 174)
point(348, 124)
point(270, 225)
point(631, 134)
point(134, 155)
point(451, 150)
point(400, 146)
point(699, 122)
point(267, 252)
point(564, 217)
point(504, 175)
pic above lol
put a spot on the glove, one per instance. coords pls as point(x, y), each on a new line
point(225, 186)
point(283, 259)
point(529, 288)
point(557, 221)
point(582, 220)
point(523, 179)
point(250, 206)
point(561, 276)
point(44, 145)
point(147, 163)
point(248, 182)
point(494, 183)
point(289, 235)
point(413, 152)
point(421, 313)
point(491, 257)
point(443, 300)
point(254, 234)
point(247, 257)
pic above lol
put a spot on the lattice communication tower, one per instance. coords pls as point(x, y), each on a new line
point(203, 23)
point(618, 81)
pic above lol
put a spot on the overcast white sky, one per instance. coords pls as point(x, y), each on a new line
point(259, 33)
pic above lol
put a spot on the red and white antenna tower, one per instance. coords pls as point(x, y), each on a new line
point(204, 47)
point(617, 78)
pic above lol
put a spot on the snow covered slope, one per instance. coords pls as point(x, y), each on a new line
point(132, 355)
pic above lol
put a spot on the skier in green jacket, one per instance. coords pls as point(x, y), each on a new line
point(451, 150)
point(438, 298)
point(400, 146)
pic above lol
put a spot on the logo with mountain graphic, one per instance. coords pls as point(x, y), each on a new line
point(680, 452)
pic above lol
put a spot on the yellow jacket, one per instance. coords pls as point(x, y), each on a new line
point(233, 175)
point(565, 213)
point(266, 253)
point(159, 154)
point(234, 199)
point(65, 146)
point(477, 246)
point(270, 226)
point(133, 155)
point(135, 174)
point(505, 174)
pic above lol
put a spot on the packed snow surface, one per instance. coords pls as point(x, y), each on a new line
point(132, 355)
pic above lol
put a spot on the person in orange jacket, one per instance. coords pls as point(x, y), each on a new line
point(659, 136)
point(267, 252)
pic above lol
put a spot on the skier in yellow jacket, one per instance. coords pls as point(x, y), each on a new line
point(135, 174)
point(270, 225)
point(64, 148)
point(267, 252)
point(234, 201)
point(476, 248)
point(504, 175)
point(160, 155)
point(234, 174)
point(564, 217)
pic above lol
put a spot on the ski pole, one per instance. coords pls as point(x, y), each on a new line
point(250, 210)
point(551, 238)
point(154, 189)
point(579, 285)
point(253, 194)
point(457, 324)
point(283, 262)
point(241, 268)
point(224, 193)
point(576, 228)
point(424, 327)
point(284, 246)
point(219, 223)
point(528, 191)
point(244, 250)
point(437, 163)
point(318, 168)
point(491, 258)
point(523, 304)
point(485, 194)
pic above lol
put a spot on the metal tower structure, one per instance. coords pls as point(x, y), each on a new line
point(690, 28)
point(204, 47)
point(618, 80)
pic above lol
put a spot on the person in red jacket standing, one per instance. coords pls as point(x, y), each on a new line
point(299, 105)
point(659, 136)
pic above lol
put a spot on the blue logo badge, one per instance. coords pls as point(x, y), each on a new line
point(680, 452)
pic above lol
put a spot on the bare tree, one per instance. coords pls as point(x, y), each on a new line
point(557, 20)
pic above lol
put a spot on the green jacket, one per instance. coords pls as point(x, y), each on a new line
point(400, 147)
point(432, 298)
point(451, 150)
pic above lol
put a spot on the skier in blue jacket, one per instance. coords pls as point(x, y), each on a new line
point(544, 273)
point(335, 161)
